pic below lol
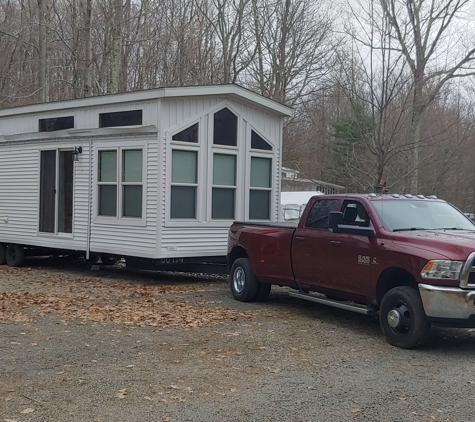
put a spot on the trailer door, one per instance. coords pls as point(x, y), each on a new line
point(56, 191)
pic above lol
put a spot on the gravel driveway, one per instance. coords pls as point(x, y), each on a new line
point(117, 345)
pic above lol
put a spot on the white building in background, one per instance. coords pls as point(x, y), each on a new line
point(158, 174)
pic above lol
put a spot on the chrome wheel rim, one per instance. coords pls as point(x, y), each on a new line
point(239, 279)
point(399, 318)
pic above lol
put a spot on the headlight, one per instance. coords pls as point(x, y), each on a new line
point(442, 269)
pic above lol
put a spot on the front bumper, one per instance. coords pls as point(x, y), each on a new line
point(448, 306)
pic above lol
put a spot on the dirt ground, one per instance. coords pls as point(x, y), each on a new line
point(120, 345)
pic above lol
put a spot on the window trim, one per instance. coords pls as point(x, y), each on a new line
point(119, 219)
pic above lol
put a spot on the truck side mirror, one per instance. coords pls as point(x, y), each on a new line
point(334, 219)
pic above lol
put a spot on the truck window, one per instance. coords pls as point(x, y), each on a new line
point(318, 215)
point(354, 214)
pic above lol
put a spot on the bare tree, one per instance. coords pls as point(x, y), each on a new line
point(435, 52)
point(295, 46)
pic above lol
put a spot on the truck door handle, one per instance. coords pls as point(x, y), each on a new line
point(335, 243)
point(299, 238)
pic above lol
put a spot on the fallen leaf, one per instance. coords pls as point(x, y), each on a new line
point(205, 393)
point(27, 410)
point(148, 398)
point(402, 398)
point(130, 366)
point(233, 390)
point(356, 410)
point(174, 387)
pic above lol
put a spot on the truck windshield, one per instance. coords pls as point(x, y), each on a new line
point(406, 214)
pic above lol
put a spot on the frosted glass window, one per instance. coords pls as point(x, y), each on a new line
point(132, 201)
point(184, 166)
point(223, 203)
point(183, 202)
point(259, 205)
point(261, 172)
point(224, 170)
point(108, 200)
point(132, 165)
point(108, 166)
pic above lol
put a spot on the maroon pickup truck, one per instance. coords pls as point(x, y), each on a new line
point(407, 259)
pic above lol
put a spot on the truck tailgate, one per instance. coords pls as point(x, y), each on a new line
point(268, 247)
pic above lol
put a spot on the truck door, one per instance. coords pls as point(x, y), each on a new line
point(357, 259)
point(311, 246)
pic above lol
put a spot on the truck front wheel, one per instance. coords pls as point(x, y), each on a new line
point(402, 318)
point(243, 282)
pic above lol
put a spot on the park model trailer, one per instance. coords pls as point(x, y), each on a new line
point(155, 177)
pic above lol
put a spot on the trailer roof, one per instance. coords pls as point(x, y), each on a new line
point(231, 90)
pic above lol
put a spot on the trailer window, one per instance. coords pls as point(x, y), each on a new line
point(56, 123)
point(124, 193)
point(261, 186)
point(184, 184)
point(121, 118)
point(190, 134)
point(258, 142)
point(224, 186)
point(225, 128)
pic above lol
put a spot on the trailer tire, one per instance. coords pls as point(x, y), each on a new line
point(15, 255)
point(243, 282)
point(263, 291)
point(108, 260)
point(402, 318)
point(3, 251)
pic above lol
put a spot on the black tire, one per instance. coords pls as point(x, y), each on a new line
point(3, 252)
point(402, 318)
point(263, 291)
point(243, 281)
point(108, 260)
point(15, 255)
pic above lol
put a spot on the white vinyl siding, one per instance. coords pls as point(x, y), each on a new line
point(155, 235)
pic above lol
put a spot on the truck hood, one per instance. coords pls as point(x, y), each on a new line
point(454, 244)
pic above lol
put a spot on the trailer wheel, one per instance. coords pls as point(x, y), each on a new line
point(263, 291)
point(108, 260)
point(3, 259)
point(402, 318)
point(243, 281)
point(15, 255)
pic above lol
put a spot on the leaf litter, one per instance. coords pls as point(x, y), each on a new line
point(95, 300)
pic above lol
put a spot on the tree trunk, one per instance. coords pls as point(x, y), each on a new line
point(43, 21)
point(116, 48)
point(88, 50)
